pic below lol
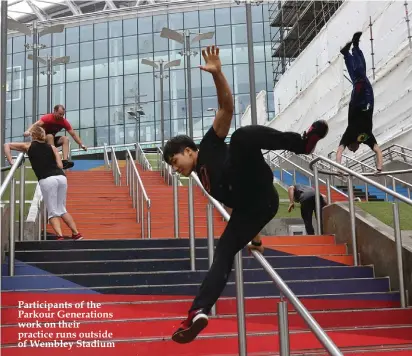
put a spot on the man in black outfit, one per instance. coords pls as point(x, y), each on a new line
point(361, 105)
point(306, 196)
point(236, 175)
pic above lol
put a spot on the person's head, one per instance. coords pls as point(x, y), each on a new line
point(181, 153)
point(353, 147)
point(38, 133)
point(58, 111)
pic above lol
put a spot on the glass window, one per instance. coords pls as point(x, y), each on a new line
point(116, 66)
point(59, 74)
point(147, 132)
point(160, 43)
point(161, 55)
point(149, 114)
point(8, 131)
point(145, 68)
point(101, 116)
point(228, 72)
point(166, 107)
point(196, 83)
point(87, 136)
point(145, 43)
point(241, 78)
point(18, 80)
point(59, 39)
point(222, 16)
point(271, 103)
point(86, 70)
point(130, 87)
point(117, 135)
point(28, 100)
point(43, 109)
point(208, 86)
point(130, 27)
point(259, 52)
point(18, 104)
point(101, 68)
point(73, 118)
point(176, 21)
point(177, 84)
point(241, 103)
point(223, 35)
point(59, 94)
point(240, 53)
point(178, 109)
point(86, 94)
point(101, 135)
point(9, 45)
point(178, 127)
point(17, 127)
point(29, 77)
point(19, 61)
point(267, 31)
point(100, 49)
point(191, 19)
point(210, 42)
point(197, 127)
point(144, 24)
point(42, 80)
point(269, 75)
point(115, 28)
point(101, 93)
point(116, 91)
point(207, 18)
point(86, 51)
point(166, 93)
point(131, 64)
point(116, 115)
point(159, 22)
point(238, 14)
point(72, 35)
point(239, 34)
point(86, 33)
point(256, 13)
point(130, 133)
point(196, 107)
point(209, 102)
point(72, 72)
point(257, 29)
point(72, 96)
point(265, 12)
point(58, 51)
point(130, 45)
point(260, 76)
point(146, 86)
point(100, 31)
point(46, 40)
point(268, 52)
point(115, 47)
point(73, 51)
point(86, 118)
point(18, 43)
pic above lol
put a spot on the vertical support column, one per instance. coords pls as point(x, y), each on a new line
point(399, 259)
point(407, 24)
point(39, 222)
point(329, 191)
point(22, 199)
point(149, 221)
point(192, 227)
point(352, 220)
point(3, 79)
point(175, 204)
point(12, 225)
point(251, 62)
point(317, 200)
point(162, 110)
point(142, 213)
point(45, 220)
point(283, 322)
point(35, 72)
point(210, 242)
point(48, 87)
point(240, 303)
point(189, 84)
point(372, 52)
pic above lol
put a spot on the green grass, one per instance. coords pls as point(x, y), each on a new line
point(283, 194)
point(383, 212)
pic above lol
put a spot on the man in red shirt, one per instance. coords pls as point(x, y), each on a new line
point(52, 124)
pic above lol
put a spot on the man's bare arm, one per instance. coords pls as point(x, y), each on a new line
point(339, 153)
point(379, 157)
point(76, 138)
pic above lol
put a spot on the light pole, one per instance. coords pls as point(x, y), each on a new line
point(160, 64)
point(3, 80)
point(50, 62)
point(136, 111)
point(251, 57)
point(184, 38)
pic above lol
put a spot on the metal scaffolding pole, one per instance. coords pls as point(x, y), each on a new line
point(3, 78)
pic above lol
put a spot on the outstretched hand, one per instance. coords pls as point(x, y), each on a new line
point(291, 207)
point(212, 60)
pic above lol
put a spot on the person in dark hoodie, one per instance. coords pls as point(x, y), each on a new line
point(361, 105)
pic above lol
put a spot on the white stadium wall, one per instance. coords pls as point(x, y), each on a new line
point(262, 115)
point(315, 87)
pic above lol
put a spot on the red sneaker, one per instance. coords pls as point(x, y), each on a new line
point(77, 237)
point(191, 327)
point(317, 131)
point(60, 238)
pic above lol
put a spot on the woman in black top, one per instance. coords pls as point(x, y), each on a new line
point(47, 165)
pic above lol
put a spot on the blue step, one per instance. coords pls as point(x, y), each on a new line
point(380, 194)
point(288, 179)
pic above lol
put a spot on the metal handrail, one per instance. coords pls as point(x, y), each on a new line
point(398, 237)
point(115, 168)
point(142, 159)
point(106, 158)
point(136, 191)
point(282, 286)
point(165, 169)
point(310, 174)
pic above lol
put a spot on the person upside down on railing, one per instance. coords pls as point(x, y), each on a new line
point(236, 175)
point(48, 168)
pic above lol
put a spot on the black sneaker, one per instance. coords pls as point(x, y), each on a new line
point(345, 49)
point(67, 164)
point(317, 131)
point(191, 327)
point(356, 37)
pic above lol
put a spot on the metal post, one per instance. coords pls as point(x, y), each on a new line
point(162, 109)
point(12, 225)
point(294, 176)
point(134, 187)
point(352, 220)
point(372, 53)
point(189, 84)
point(210, 243)
point(39, 223)
point(175, 204)
point(142, 212)
point(366, 192)
point(35, 72)
point(22, 199)
point(329, 191)
point(3, 80)
point(317, 200)
point(137, 201)
point(192, 227)
point(284, 346)
point(149, 221)
point(48, 88)
point(407, 24)
point(45, 220)
point(398, 241)
point(240, 303)
point(386, 186)
point(251, 62)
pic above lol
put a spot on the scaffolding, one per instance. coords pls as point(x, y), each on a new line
point(295, 24)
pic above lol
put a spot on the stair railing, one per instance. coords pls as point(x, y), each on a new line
point(115, 167)
point(165, 169)
point(350, 175)
point(106, 158)
point(139, 195)
point(142, 159)
point(283, 288)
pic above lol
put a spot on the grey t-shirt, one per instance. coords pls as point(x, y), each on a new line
point(303, 192)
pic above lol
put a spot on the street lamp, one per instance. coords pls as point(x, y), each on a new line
point(251, 59)
point(136, 111)
point(184, 38)
point(160, 64)
point(50, 62)
point(212, 109)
